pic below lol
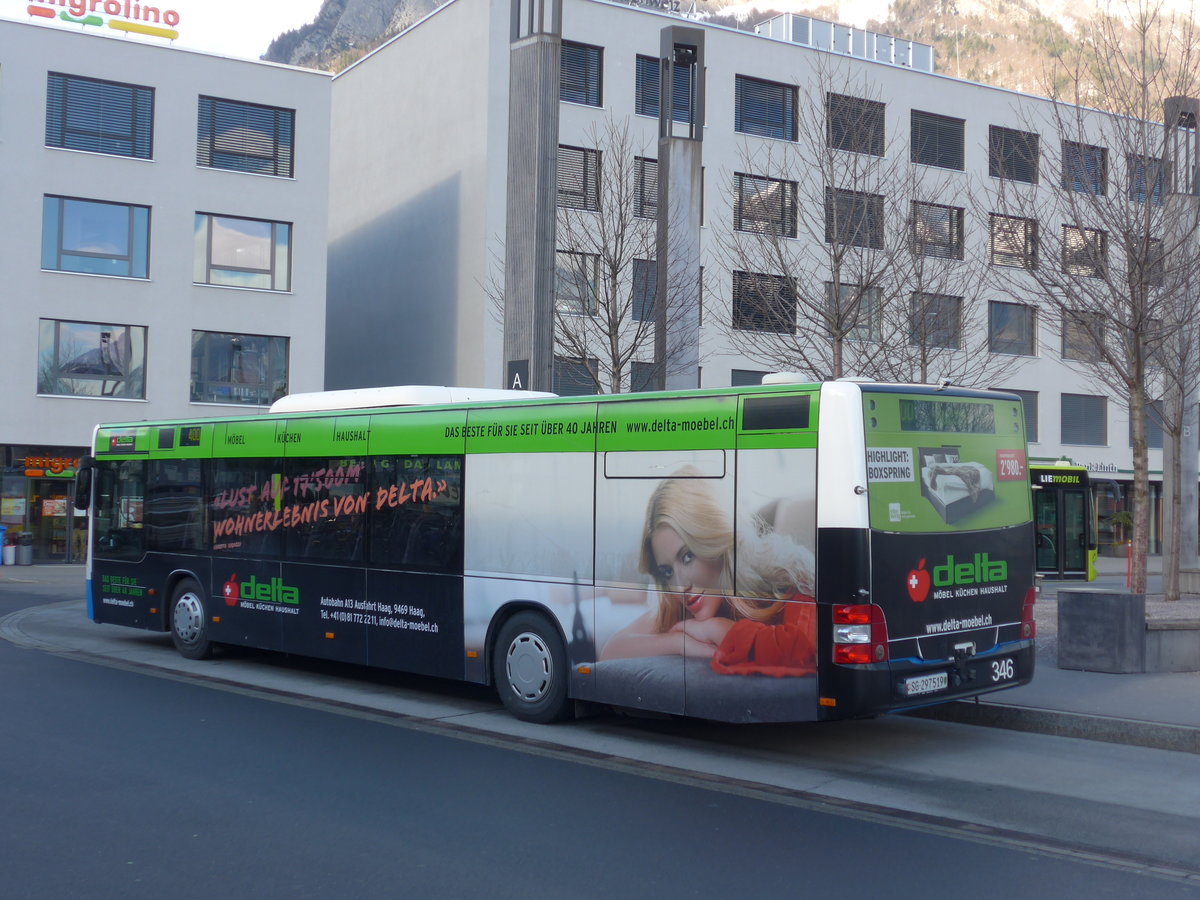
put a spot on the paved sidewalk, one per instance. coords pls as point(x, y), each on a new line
point(1152, 710)
point(1160, 710)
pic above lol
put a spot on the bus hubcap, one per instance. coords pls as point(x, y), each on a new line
point(188, 617)
point(529, 666)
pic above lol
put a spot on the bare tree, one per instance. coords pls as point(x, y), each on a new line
point(1097, 190)
point(846, 257)
point(606, 274)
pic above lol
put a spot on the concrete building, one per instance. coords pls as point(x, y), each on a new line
point(421, 190)
point(163, 252)
point(193, 211)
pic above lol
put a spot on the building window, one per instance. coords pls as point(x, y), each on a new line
point(935, 321)
point(578, 178)
point(765, 108)
point(645, 285)
point(1029, 401)
point(1145, 179)
point(238, 368)
point(853, 218)
point(1154, 425)
point(745, 377)
point(1085, 168)
point(937, 230)
point(1011, 328)
point(854, 124)
point(764, 205)
point(1012, 154)
point(641, 376)
point(645, 201)
point(1012, 241)
point(1082, 335)
point(576, 280)
point(582, 74)
point(856, 311)
point(763, 303)
point(1084, 251)
point(647, 90)
point(88, 359)
point(249, 253)
point(573, 377)
point(245, 137)
point(937, 140)
point(95, 237)
point(99, 116)
point(1146, 260)
point(1084, 420)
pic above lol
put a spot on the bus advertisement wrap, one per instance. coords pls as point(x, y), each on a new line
point(660, 626)
point(646, 551)
point(951, 517)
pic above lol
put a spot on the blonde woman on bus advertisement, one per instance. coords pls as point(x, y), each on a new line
point(689, 547)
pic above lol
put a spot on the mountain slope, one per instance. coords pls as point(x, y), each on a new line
point(1007, 43)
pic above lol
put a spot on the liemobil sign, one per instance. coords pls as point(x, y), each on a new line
point(129, 16)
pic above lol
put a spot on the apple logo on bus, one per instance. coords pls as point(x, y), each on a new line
point(918, 583)
point(231, 590)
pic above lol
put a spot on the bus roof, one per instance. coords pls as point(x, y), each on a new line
point(397, 395)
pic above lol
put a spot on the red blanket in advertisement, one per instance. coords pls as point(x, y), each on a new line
point(781, 649)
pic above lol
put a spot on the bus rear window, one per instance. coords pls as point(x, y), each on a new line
point(960, 416)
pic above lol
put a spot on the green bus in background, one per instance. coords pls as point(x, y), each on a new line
point(783, 552)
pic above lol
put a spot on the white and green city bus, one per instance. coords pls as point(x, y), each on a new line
point(783, 552)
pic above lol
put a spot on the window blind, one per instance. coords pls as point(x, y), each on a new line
point(99, 116)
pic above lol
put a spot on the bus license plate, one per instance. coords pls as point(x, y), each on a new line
point(926, 684)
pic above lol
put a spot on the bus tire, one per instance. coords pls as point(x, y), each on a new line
point(529, 663)
point(189, 621)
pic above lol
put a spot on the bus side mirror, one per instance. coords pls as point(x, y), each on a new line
point(83, 483)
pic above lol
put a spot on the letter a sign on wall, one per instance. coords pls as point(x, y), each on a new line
point(518, 374)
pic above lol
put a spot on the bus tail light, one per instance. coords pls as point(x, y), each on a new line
point(1028, 625)
point(859, 634)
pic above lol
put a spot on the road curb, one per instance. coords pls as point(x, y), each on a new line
point(1109, 729)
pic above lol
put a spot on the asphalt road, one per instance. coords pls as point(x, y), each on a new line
point(125, 780)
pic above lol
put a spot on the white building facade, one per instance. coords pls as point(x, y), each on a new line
point(164, 249)
point(419, 175)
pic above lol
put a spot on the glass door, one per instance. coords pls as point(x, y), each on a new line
point(1046, 519)
point(1074, 532)
point(1061, 520)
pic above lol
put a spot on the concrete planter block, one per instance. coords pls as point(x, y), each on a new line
point(1173, 646)
point(1101, 631)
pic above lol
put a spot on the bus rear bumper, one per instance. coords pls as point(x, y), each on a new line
point(1005, 666)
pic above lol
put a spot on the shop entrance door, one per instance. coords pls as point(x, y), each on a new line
point(49, 519)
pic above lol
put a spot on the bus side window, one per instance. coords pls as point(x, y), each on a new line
point(175, 505)
point(241, 489)
point(416, 512)
point(334, 491)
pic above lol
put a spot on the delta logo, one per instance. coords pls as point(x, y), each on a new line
point(273, 591)
point(982, 569)
point(129, 16)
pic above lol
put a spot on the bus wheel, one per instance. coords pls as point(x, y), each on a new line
point(529, 663)
point(189, 621)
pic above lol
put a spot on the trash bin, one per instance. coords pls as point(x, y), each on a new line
point(24, 548)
